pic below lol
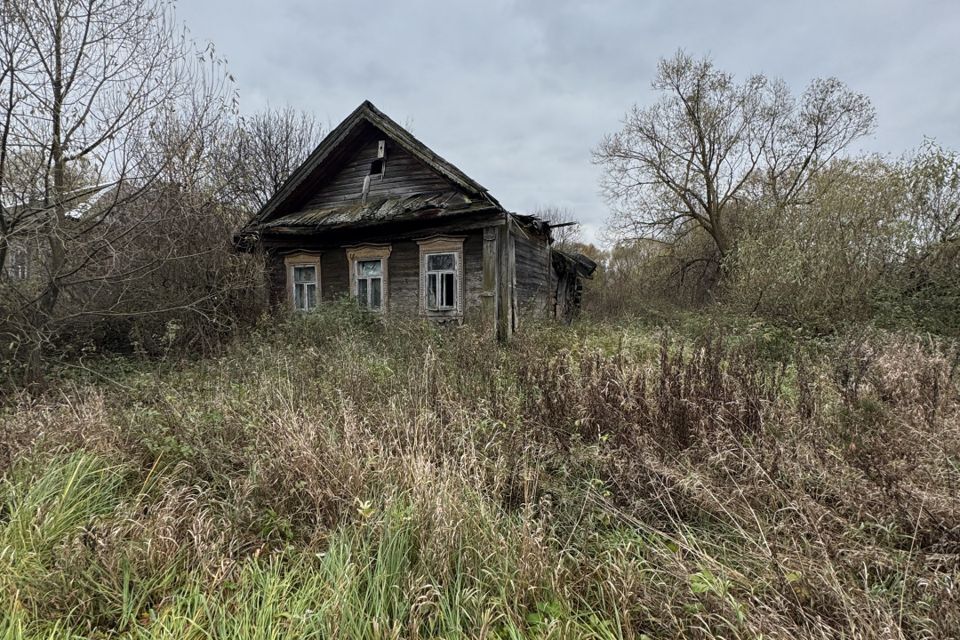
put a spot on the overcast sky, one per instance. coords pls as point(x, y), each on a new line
point(517, 93)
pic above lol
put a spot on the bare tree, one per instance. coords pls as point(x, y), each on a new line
point(564, 227)
point(687, 161)
point(270, 145)
point(90, 88)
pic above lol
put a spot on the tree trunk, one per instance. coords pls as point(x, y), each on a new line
point(56, 218)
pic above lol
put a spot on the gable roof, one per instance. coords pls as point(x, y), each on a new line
point(366, 113)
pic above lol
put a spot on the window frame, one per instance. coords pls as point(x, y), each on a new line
point(441, 282)
point(368, 288)
point(442, 245)
point(300, 260)
point(369, 253)
point(18, 268)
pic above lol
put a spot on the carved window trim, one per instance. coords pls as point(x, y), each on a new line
point(302, 259)
point(439, 245)
point(362, 253)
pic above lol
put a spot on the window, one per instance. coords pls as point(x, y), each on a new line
point(441, 277)
point(369, 277)
point(303, 281)
point(304, 288)
point(370, 284)
point(17, 268)
point(441, 281)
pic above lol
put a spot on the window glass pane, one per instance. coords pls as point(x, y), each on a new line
point(368, 268)
point(449, 290)
point(311, 296)
point(18, 268)
point(362, 292)
point(298, 297)
point(375, 293)
point(440, 262)
point(304, 274)
point(432, 291)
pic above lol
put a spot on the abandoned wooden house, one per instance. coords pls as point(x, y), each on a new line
point(374, 214)
point(26, 224)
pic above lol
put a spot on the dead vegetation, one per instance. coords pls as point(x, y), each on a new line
point(337, 478)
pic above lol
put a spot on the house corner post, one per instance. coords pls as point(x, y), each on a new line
point(504, 281)
point(489, 295)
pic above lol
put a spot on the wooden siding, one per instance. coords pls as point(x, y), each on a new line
point(334, 274)
point(405, 278)
point(403, 275)
point(473, 270)
point(533, 288)
point(404, 175)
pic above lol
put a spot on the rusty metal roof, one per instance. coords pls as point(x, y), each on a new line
point(419, 206)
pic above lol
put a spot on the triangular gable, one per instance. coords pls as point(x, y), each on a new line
point(326, 153)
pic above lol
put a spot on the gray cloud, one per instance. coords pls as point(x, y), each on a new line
point(516, 93)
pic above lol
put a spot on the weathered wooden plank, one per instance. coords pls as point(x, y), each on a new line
point(504, 283)
point(533, 275)
point(488, 294)
point(334, 274)
point(404, 281)
point(473, 271)
point(403, 174)
point(286, 239)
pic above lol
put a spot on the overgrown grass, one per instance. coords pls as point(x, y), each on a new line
point(332, 477)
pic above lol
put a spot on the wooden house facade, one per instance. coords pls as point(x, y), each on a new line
point(374, 214)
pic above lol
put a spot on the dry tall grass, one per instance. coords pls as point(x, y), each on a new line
point(336, 478)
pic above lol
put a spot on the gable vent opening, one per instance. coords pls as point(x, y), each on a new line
point(377, 168)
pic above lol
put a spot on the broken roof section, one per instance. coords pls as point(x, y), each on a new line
point(378, 210)
point(570, 262)
point(284, 204)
